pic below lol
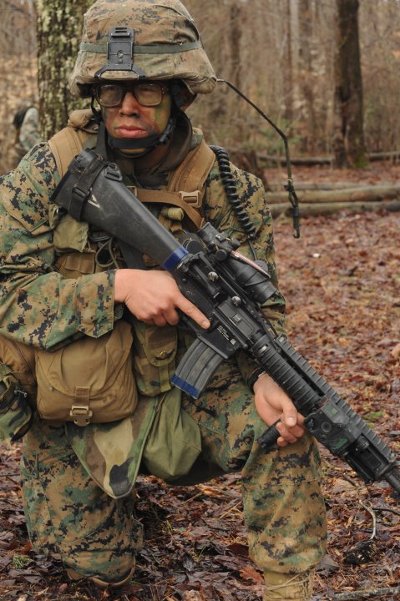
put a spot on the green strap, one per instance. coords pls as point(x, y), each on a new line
point(151, 49)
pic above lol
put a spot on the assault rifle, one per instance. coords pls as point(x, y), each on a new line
point(228, 289)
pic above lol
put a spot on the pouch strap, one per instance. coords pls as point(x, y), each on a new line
point(7, 387)
point(81, 413)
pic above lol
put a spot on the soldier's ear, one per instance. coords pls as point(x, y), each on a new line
point(181, 94)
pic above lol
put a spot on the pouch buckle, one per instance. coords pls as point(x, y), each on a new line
point(81, 415)
point(191, 198)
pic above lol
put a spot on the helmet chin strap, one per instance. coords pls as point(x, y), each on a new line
point(147, 143)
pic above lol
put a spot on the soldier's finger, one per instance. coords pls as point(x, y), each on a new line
point(193, 312)
point(286, 434)
point(171, 316)
point(290, 415)
point(281, 442)
point(160, 321)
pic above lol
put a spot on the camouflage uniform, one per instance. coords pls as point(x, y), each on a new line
point(75, 503)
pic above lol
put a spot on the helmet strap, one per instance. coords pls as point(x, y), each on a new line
point(96, 113)
point(147, 143)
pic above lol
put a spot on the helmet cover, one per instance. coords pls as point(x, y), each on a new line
point(166, 45)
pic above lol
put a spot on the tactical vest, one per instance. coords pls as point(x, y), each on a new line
point(155, 348)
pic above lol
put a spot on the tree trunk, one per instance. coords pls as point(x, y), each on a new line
point(349, 146)
point(18, 71)
point(236, 23)
point(307, 79)
point(288, 80)
point(59, 33)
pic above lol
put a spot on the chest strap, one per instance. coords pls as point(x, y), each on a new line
point(186, 185)
point(189, 202)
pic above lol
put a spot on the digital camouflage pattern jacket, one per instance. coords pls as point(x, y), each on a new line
point(42, 307)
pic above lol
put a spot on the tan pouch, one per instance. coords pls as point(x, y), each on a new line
point(20, 358)
point(89, 380)
point(154, 357)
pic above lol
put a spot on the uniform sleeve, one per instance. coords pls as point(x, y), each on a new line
point(37, 305)
point(253, 198)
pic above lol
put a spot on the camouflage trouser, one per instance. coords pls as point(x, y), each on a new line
point(97, 535)
point(284, 509)
point(68, 515)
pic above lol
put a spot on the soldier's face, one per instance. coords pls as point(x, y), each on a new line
point(132, 120)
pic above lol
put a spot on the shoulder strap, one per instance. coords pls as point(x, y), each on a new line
point(68, 142)
point(192, 173)
point(65, 145)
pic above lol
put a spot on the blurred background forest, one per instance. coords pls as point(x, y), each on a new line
point(286, 55)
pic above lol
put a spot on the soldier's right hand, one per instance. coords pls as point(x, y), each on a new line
point(154, 297)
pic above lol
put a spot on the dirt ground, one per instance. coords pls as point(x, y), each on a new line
point(342, 282)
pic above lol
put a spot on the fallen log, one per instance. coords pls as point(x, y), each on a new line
point(299, 161)
point(393, 155)
point(362, 194)
point(311, 209)
point(384, 156)
point(273, 187)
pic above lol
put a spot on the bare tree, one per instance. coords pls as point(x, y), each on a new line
point(349, 146)
point(59, 32)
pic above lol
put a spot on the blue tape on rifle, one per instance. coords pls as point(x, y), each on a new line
point(175, 258)
point(185, 386)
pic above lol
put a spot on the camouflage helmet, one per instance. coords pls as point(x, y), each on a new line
point(166, 45)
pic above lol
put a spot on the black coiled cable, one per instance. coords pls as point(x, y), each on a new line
point(231, 191)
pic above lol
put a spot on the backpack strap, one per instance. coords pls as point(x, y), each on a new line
point(192, 173)
point(65, 145)
point(68, 142)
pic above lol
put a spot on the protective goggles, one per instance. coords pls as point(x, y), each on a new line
point(147, 93)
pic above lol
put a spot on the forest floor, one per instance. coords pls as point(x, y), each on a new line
point(342, 282)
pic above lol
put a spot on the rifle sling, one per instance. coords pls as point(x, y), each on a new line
point(187, 201)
